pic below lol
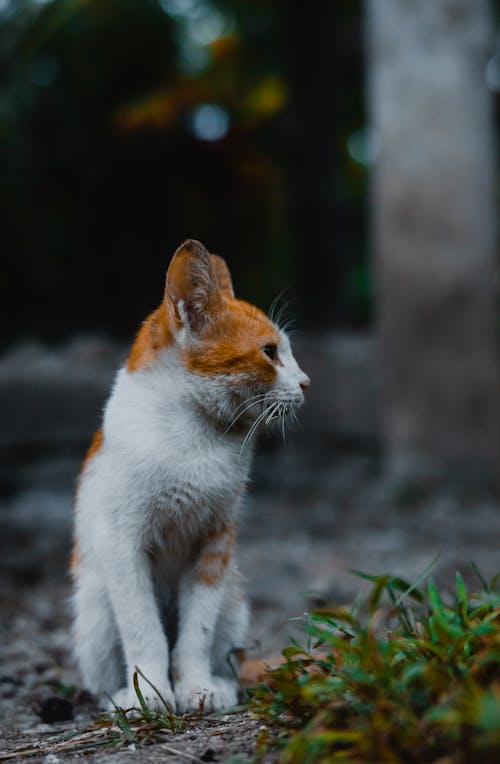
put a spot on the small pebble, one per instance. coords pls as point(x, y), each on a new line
point(209, 755)
point(55, 709)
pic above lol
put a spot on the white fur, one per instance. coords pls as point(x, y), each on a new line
point(166, 473)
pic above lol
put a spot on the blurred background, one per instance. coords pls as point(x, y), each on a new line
point(344, 152)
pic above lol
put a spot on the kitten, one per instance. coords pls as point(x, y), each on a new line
point(155, 582)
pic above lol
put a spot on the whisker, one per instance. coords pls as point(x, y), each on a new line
point(281, 313)
point(247, 405)
point(250, 401)
point(221, 409)
point(268, 411)
point(289, 325)
point(282, 417)
point(253, 398)
point(272, 309)
point(252, 429)
point(273, 412)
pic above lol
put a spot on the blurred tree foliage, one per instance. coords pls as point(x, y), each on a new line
point(128, 125)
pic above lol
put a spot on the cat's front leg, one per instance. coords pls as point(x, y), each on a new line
point(127, 573)
point(201, 595)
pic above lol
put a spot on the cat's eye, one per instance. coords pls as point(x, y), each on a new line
point(270, 351)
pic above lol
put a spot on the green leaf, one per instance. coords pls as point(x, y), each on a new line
point(463, 598)
point(366, 576)
point(426, 573)
point(168, 707)
point(428, 685)
point(122, 721)
point(494, 582)
point(292, 651)
point(409, 590)
point(448, 717)
point(377, 592)
point(488, 712)
point(480, 576)
point(140, 696)
point(335, 614)
point(461, 589)
point(443, 631)
point(435, 600)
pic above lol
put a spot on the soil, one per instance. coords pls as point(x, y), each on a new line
point(313, 514)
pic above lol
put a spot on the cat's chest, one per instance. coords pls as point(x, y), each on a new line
point(199, 471)
point(192, 493)
point(196, 490)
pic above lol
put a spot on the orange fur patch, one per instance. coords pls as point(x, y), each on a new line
point(154, 335)
point(231, 332)
point(74, 560)
point(215, 556)
point(94, 447)
point(232, 344)
point(222, 275)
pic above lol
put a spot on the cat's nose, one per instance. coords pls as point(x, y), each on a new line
point(304, 382)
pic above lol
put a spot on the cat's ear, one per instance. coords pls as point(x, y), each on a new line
point(223, 276)
point(191, 286)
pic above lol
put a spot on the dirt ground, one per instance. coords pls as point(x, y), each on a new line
point(312, 516)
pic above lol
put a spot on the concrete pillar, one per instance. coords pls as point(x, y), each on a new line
point(434, 232)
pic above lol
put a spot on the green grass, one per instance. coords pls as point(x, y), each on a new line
point(119, 727)
point(398, 683)
point(142, 725)
point(383, 682)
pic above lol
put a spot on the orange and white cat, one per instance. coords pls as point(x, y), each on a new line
point(155, 582)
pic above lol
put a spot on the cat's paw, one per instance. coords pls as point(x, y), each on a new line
point(213, 694)
point(127, 698)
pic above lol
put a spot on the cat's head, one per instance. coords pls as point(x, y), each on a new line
point(241, 363)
